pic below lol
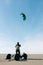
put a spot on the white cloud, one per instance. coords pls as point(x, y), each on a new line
point(33, 44)
point(28, 45)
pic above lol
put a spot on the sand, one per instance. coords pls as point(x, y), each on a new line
point(33, 59)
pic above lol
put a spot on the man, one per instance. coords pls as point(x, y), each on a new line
point(18, 48)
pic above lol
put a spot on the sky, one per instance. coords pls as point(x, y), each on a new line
point(13, 29)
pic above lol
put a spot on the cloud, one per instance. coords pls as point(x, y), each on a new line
point(30, 44)
point(33, 44)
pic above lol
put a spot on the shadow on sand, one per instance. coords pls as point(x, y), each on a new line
point(28, 59)
point(34, 59)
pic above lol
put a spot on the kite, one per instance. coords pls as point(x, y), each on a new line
point(24, 16)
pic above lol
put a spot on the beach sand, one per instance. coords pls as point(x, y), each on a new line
point(33, 59)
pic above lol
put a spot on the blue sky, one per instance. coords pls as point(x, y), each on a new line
point(13, 29)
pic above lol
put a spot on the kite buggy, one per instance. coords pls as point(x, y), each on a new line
point(17, 56)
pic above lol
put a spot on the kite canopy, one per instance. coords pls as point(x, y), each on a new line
point(24, 16)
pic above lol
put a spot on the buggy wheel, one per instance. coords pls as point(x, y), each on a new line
point(8, 56)
point(17, 57)
point(24, 56)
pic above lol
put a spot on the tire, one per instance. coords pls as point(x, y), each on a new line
point(25, 56)
point(17, 57)
point(8, 56)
